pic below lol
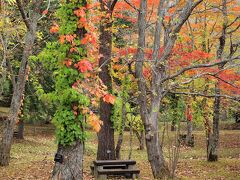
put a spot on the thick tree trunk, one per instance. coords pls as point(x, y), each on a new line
point(155, 156)
point(71, 167)
point(6, 142)
point(106, 147)
point(20, 130)
point(121, 131)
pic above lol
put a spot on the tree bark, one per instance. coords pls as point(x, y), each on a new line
point(150, 109)
point(212, 154)
point(141, 138)
point(7, 137)
point(189, 139)
point(130, 141)
point(214, 137)
point(72, 165)
point(121, 131)
point(106, 146)
point(20, 134)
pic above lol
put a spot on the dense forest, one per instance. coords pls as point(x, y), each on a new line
point(154, 83)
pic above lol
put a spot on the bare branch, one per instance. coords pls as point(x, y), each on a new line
point(234, 30)
point(208, 95)
point(25, 19)
point(113, 5)
point(233, 21)
point(185, 13)
point(196, 67)
point(48, 6)
point(132, 6)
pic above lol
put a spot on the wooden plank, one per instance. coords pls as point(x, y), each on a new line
point(114, 162)
point(118, 171)
point(115, 166)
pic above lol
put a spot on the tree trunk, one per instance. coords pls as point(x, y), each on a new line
point(237, 117)
point(214, 137)
point(130, 141)
point(71, 166)
point(106, 147)
point(155, 156)
point(20, 129)
point(6, 142)
point(173, 125)
point(121, 131)
point(141, 138)
point(189, 139)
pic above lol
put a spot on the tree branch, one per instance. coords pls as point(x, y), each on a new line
point(114, 2)
point(208, 95)
point(25, 19)
point(196, 67)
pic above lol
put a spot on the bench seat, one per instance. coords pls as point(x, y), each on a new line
point(114, 162)
point(102, 169)
point(118, 171)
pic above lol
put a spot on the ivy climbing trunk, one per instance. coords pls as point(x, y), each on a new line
point(10, 122)
point(106, 146)
point(69, 156)
point(72, 166)
point(121, 131)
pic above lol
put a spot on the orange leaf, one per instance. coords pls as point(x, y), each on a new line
point(108, 98)
point(95, 122)
point(54, 28)
point(80, 12)
point(61, 39)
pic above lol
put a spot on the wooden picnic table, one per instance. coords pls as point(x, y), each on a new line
point(104, 168)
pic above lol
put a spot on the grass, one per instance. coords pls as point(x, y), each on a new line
point(32, 158)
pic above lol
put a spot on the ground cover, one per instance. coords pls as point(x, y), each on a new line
point(32, 158)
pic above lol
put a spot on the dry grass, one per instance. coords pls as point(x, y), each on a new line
point(32, 158)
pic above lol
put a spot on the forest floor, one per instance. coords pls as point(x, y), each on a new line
point(32, 158)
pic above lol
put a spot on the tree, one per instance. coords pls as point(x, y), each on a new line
point(31, 24)
point(67, 61)
point(149, 111)
point(77, 88)
point(106, 146)
point(214, 136)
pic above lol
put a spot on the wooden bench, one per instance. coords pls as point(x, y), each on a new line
point(104, 168)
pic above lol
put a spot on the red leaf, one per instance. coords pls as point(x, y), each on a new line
point(84, 66)
point(45, 12)
point(109, 98)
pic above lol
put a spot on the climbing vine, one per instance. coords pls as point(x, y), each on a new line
point(72, 59)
